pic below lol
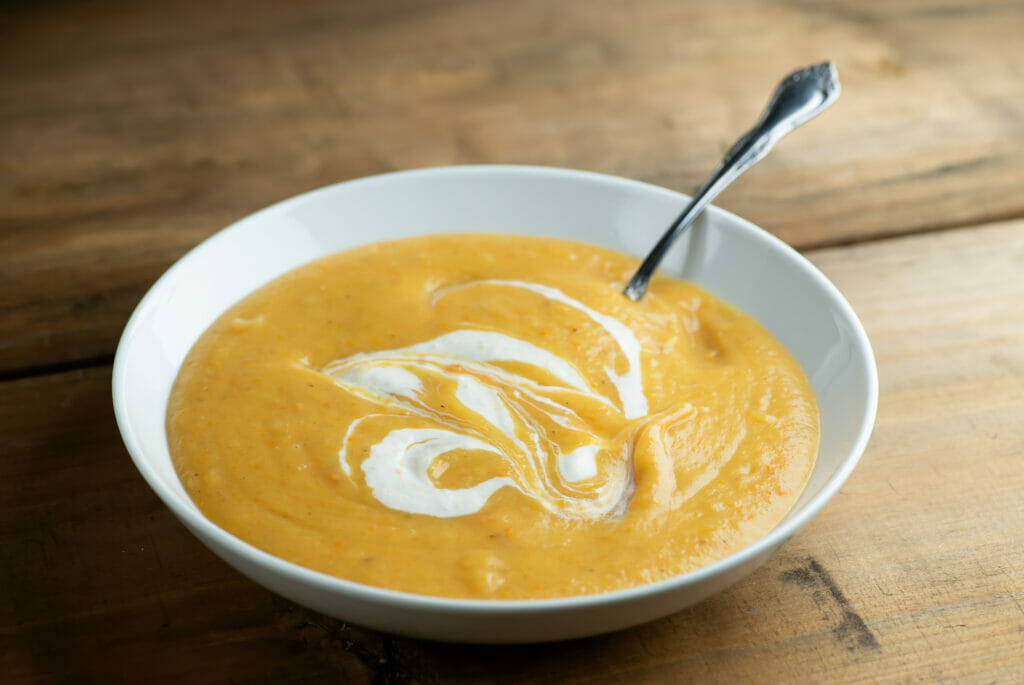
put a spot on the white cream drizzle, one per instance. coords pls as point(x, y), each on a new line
point(397, 468)
point(396, 471)
point(629, 384)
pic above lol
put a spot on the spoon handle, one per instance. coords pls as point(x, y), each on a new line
point(799, 97)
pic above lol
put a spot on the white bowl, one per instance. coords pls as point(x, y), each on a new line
point(725, 254)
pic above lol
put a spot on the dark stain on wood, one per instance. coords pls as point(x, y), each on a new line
point(851, 631)
point(334, 642)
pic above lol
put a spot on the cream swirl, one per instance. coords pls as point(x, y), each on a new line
point(456, 384)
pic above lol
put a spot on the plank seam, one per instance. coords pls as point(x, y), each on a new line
point(896, 233)
point(54, 368)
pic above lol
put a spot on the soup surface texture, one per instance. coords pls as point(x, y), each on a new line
point(489, 417)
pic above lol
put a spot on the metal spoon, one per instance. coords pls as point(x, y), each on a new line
point(799, 97)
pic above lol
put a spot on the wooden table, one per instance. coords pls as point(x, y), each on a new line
point(130, 131)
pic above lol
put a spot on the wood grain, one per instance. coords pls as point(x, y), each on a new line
point(130, 131)
point(100, 583)
point(912, 573)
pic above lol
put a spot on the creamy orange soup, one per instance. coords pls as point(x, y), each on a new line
point(488, 416)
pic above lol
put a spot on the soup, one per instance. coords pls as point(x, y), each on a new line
point(489, 417)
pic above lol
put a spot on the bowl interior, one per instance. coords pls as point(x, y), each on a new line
point(725, 254)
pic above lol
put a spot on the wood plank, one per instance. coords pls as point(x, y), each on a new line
point(913, 572)
point(100, 583)
point(144, 127)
